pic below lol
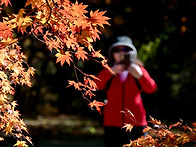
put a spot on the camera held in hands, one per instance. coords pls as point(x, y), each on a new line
point(127, 58)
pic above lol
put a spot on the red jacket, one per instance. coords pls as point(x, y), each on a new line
point(125, 95)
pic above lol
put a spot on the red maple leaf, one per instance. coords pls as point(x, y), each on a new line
point(97, 105)
point(5, 30)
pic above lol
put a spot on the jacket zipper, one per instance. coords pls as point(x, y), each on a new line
point(123, 103)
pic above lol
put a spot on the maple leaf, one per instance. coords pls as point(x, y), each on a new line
point(62, 57)
point(105, 65)
point(6, 2)
point(81, 54)
point(92, 84)
point(80, 22)
point(95, 34)
point(73, 83)
point(34, 3)
point(21, 144)
point(5, 30)
point(128, 127)
point(38, 29)
point(8, 41)
point(29, 139)
point(31, 71)
point(146, 129)
point(1, 138)
point(79, 9)
point(98, 54)
point(154, 121)
point(14, 104)
point(97, 105)
point(20, 14)
point(175, 125)
point(8, 129)
point(97, 18)
point(89, 92)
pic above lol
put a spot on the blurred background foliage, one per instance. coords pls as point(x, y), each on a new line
point(163, 32)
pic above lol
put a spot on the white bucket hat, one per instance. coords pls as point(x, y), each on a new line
point(124, 41)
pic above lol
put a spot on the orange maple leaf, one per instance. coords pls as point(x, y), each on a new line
point(29, 139)
point(6, 2)
point(154, 121)
point(92, 84)
point(62, 57)
point(97, 18)
point(89, 92)
point(98, 54)
point(95, 34)
point(79, 9)
point(8, 129)
point(73, 83)
point(97, 105)
point(81, 54)
point(175, 125)
point(146, 129)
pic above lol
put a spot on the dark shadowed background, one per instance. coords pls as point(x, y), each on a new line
point(164, 34)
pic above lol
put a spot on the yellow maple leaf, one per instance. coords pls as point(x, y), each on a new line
point(21, 144)
point(8, 129)
point(128, 127)
point(43, 20)
point(1, 138)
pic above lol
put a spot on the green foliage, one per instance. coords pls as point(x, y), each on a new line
point(148, 51)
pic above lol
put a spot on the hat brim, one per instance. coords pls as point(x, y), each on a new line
point(124, 44)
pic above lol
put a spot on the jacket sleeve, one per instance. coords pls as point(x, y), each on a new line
point(147, 83)
point(105, 75)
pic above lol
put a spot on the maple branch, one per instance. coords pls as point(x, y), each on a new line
point(130, 113)
point(38, 38)
point(80, 71)
point(85, 98)
point(78, 80)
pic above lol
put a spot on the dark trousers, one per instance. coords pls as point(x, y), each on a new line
point(117, 137)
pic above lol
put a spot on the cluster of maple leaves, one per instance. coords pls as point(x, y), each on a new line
point(66, 30)
point(160, 135)
point(69, 30)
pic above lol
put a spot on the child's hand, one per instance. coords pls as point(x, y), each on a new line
point(118, 68)
point(135, 71)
